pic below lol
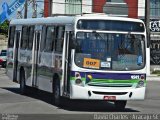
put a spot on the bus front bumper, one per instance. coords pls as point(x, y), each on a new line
point(106, 93)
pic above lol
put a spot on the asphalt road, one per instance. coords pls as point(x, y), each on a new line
point(40, 103)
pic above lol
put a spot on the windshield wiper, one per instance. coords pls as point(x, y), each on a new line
point(96, 33)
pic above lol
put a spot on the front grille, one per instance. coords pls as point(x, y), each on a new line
point(110, 85)
point(110, 93)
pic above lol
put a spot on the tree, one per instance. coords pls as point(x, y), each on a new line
point(4, 28)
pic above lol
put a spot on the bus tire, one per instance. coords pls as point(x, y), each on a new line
point(23, 87)
point(56, 92)
point(120, 105)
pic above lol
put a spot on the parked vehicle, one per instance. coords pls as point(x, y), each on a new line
point(3, 58)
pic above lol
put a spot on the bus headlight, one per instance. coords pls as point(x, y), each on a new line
point(78, 79)
point(140, 84)
point(79, 82)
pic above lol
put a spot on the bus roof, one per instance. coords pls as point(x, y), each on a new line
point(48, 20)
point(108, 17)
point(68, 19)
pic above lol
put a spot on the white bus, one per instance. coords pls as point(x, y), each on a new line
point(89, 57)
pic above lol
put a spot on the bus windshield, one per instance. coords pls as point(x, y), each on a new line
point(109, 51)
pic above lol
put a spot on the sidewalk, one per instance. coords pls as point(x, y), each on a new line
point(153, 77)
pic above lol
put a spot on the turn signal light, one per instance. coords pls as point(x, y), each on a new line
point(78, 81)
point(140, 84)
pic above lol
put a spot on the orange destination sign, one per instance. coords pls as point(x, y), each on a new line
point(91, 63)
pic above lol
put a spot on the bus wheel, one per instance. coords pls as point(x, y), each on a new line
point(120, 105)
point(23, 87)
point(56, 93)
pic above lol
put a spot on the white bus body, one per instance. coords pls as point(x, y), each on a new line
point(91, 57)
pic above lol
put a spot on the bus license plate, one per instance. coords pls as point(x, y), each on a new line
point(109, 97)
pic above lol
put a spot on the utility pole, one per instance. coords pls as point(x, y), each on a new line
point(147, 21)
point(34, 8)
point(19, 14)
point(25, 9)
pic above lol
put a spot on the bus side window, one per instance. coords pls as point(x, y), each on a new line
point(38, 40)
point(24, 39)
point(42, 44)
point(17, 38)
point(30, 38)
point(11, 36)
point(50, 34)
point(59, 38)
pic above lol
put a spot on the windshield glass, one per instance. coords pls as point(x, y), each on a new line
point(109, 51)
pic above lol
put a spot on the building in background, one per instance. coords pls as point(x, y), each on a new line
point(115, 7)
point(67, 7)
point(127, 8)
point(155, 34)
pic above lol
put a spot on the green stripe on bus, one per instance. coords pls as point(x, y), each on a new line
point(109, 80)
point(114, 81)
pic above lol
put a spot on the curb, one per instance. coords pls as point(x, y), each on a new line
point(153, 78)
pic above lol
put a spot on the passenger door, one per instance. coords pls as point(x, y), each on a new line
point(10, 51)
point(46, 58)
point(67, 59)
point(16, 47)
point(35, 58)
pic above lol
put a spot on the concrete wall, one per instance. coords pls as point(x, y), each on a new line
point(47, 11)
point(141, 8)
point(60, 7)
point(52, 7)
point(131, 9)
point(86, 6)
point(98, 5)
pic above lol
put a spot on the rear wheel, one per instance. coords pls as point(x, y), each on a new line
point(23, 87)
point(56, 92)
point(120, 105)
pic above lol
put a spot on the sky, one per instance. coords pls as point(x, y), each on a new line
point(40, 7)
